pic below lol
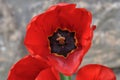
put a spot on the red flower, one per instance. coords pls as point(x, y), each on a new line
point(30, 68)
point(62, 35)
point(95, 72)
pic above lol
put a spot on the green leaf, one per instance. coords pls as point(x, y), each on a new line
point(63, 77)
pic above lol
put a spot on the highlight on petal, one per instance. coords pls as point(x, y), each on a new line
point(26, 69)
point(48, 74)
point(95, 72)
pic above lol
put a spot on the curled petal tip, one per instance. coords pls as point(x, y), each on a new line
point(93, 27)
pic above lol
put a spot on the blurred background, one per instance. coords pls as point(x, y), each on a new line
point(15, 15)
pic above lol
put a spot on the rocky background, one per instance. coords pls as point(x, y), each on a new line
point(15, 14)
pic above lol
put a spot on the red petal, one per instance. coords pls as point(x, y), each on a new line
point(68, 65)
point(95, 72)
point(50, 21)
point(35, 40)
point(77, 19)
point(86, 40)
point(26, 69)
point(47, 74)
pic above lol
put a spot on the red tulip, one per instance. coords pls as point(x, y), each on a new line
point(31, 68)
point(95, 72)
point(57, 40)
point(61, 35)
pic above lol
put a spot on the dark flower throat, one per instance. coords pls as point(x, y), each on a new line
point(62, 42)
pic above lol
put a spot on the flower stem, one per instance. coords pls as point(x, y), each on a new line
point(63, 77)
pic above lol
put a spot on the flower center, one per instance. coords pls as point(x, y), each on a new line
point(62, 42)
point(61, 39)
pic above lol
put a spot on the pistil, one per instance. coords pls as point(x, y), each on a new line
point(61, 39)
